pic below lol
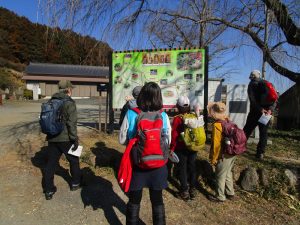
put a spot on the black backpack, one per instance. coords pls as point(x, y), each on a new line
point(51, 117)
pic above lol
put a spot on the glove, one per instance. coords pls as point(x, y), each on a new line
point(75, 144)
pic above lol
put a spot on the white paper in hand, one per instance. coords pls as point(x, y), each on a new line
point(173, 157)
point(77, 152)
point(264, 119)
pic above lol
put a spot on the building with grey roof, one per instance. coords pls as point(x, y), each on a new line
point(43, 78)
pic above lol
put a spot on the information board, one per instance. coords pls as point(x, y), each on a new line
point(177, 72)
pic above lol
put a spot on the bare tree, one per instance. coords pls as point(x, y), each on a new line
point(163, 24)
point(285, 21)
point(185, 23)
point(186, 27)
point(281, 51)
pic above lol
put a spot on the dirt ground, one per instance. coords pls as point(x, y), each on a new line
point(100, 201)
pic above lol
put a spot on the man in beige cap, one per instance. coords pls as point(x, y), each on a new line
point(256, 111)
point(61, 143)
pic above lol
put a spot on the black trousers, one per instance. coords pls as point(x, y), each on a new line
point(156, 198)
point(187, 169)
point(251, 123)
point(55, 150)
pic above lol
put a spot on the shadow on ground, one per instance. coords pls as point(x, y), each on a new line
point(98, 193)
point(40, 160)
point(106, 157)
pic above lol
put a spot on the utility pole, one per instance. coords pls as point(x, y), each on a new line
point(266, 36)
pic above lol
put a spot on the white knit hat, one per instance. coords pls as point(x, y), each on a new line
point(254, 74)
point(183, 101)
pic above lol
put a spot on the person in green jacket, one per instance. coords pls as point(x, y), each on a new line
point(61, 143)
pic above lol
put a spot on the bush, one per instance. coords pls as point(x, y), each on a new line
point(28, 94)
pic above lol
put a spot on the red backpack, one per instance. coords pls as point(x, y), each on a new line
point(151, 149)
point(268, 93)
point(234, 138)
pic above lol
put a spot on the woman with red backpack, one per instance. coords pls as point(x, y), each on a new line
point(152, 129)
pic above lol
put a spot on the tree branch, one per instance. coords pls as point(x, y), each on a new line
point(260, 44)
point(289, 28)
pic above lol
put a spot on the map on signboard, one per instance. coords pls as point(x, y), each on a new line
point(177, 72)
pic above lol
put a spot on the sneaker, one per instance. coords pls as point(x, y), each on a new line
point(75, 187)
point(184, 195)
point(193, 193)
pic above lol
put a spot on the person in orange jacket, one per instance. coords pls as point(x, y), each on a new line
point(223, 163)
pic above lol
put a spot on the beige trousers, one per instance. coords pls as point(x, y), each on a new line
point(224, 178)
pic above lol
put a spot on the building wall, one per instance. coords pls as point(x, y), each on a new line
point(81, 89)
point(237, 103)
point(289, 109)
point(214, 90)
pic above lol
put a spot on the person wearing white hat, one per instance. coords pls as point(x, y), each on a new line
point(187, 158)
point(256, 111)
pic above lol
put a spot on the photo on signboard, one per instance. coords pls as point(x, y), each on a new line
point(199, 77)
point(134, 76)
point(188, 76)
point(164, 81)
point(118, 67)
point(153, 72)
point(169, 73)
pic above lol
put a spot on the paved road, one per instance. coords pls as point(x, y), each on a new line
point(16, 118)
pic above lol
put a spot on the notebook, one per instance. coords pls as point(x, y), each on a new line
point(264, 119)
point(77, 152)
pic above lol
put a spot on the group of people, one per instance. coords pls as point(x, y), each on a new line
point(148, 99)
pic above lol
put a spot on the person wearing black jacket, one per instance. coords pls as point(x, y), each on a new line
point(61, 143)
point(256, 111)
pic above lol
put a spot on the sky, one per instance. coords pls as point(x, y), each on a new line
point(244, 59)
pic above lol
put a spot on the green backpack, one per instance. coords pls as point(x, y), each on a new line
point(194, 134)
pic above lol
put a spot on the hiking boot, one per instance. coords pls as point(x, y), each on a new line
point(184, 195)
point(214, 199)
point(75, 187)
point(49, 194)
point(193, 193)
point(230, 197)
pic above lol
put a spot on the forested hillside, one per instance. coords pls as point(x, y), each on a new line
point(22, 41)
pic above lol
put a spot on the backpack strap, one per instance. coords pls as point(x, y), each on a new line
point(137, 110)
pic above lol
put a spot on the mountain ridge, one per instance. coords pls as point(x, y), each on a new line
point(22, 41)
